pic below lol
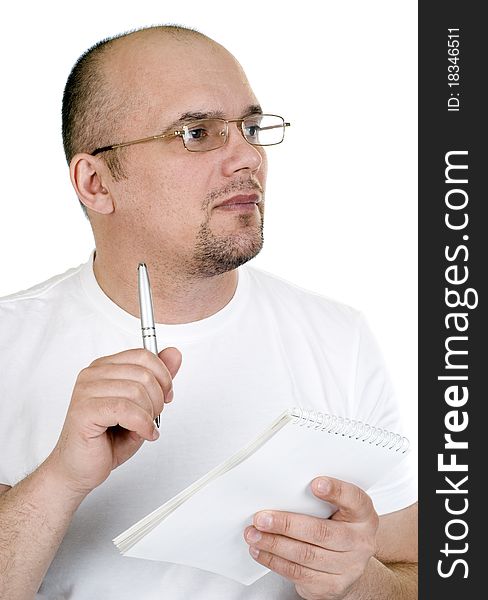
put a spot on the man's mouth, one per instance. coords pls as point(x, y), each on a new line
point(240, 202)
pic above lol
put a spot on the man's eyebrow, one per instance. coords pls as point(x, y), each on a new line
point(197, 116)
point(213, 114)
point(254, 109)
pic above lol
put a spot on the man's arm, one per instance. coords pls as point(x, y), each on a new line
point(354, 555)
point(386, 582)
point(392, 573)
point(34, 516)
point(111, 413)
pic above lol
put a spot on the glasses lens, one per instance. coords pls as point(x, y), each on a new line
point(263, 130)
point(205, 135)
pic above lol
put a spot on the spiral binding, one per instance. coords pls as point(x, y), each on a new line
point(351, 429)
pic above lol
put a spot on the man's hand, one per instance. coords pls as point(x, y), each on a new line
point(322, 557)
point(112, 411)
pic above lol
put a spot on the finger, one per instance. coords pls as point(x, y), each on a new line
point(354, 505)
point(301, 553)
point(102, 413)
point(143, 358)
point(172, 359)
point(295, 573)
point(131, 372)
point(313, 530)
point(137, 356)
point(120, 388)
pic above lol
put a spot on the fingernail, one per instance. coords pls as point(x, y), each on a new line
point(253, 536)
point(254, 552)
point(323, 486)
point(170, 396)
point(264, 520)
point(155, 434)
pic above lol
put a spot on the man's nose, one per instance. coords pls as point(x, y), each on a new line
point(239, 153)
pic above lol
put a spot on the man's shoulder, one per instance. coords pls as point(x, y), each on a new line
point(309, 304)
point(44, 293)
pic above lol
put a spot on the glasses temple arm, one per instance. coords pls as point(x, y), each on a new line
point(274, 126)
point(142, 140)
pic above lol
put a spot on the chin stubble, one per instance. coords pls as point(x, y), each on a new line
point(216, 254)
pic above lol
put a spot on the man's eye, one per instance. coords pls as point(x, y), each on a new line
point(252, 130)
point(197, 133)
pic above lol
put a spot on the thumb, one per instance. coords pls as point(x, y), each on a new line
point(172, 359)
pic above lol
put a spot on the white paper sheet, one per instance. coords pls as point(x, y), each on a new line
point(206, 531)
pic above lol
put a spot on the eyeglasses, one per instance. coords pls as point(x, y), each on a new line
point(210, 134)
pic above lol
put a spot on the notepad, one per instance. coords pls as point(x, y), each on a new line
point(203, 525)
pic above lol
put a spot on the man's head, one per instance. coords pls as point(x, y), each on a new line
point(157, 197)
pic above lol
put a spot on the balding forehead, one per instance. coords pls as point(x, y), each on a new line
point(150, 64)
point(158, 51)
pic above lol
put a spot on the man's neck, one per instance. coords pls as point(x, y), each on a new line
point(176, 299)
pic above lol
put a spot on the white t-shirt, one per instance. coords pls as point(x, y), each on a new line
point(271, 347)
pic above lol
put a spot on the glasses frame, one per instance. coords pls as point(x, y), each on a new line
point(181, 133)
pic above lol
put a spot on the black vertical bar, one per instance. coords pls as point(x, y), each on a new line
point(452, 118)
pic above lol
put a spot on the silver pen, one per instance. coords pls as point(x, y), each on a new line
point(147, 314)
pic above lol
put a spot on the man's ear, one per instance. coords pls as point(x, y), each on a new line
point(86, 176)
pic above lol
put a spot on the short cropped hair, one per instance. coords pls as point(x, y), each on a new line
point(88, 108)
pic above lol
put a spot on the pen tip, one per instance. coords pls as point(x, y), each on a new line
point(142, 265)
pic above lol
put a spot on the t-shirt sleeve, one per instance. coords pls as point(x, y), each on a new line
point(378, 406)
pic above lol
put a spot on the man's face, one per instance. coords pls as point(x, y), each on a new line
point(171, 204)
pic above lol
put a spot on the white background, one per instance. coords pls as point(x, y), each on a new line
point(342, 193)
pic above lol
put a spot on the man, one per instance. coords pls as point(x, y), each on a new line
point(163, 184)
